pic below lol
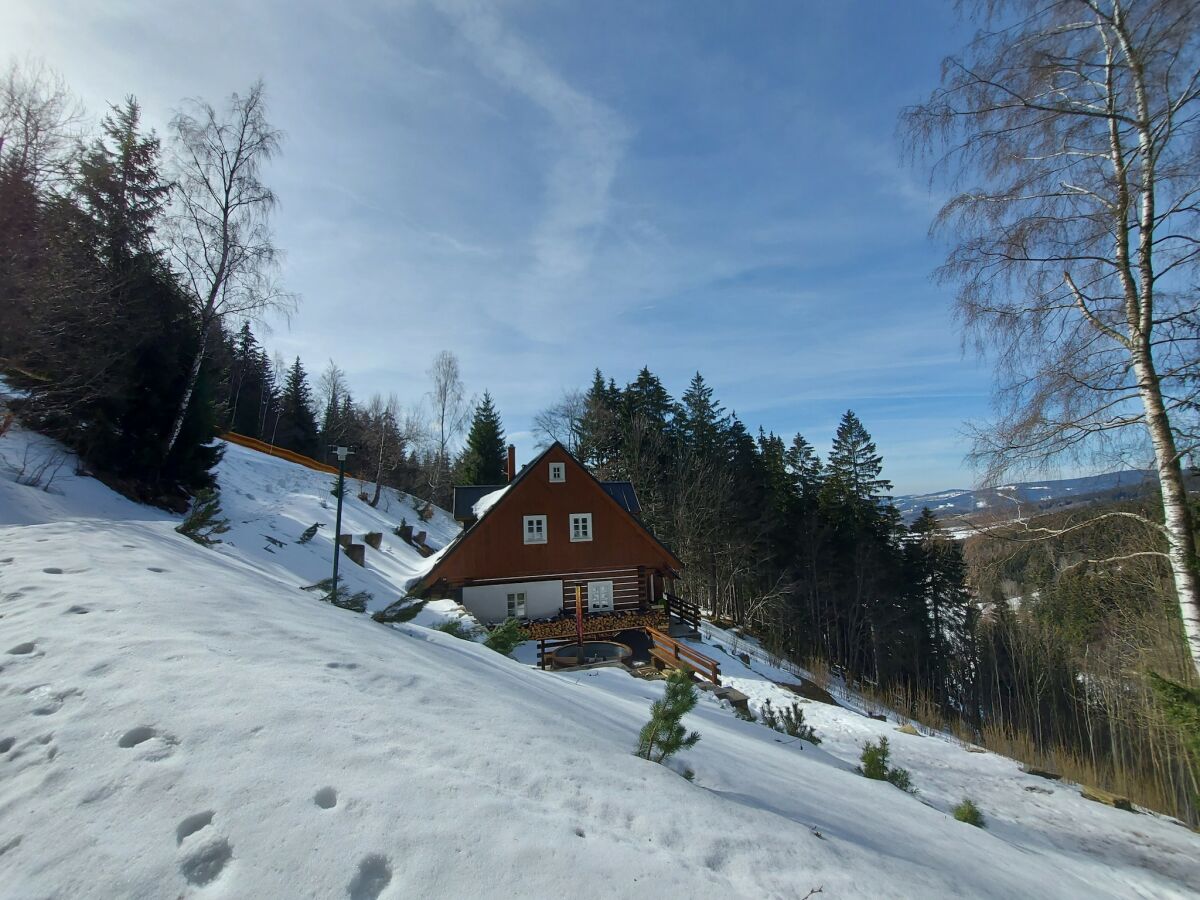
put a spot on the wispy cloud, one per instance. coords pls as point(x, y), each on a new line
point(588, 142)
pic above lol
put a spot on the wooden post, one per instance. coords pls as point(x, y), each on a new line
point(579, 616)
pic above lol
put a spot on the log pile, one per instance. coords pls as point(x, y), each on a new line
point(565, 626)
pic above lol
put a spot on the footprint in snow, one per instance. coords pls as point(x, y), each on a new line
point(326, 798)
point(163, 744)
point(191, 825)
point(373, 875)
point(204, 862)
point(53, 570)
point(78, 610)
point(23, 649)
point(155, 569)
point(135, 736)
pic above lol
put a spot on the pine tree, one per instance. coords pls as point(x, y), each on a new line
point(204, 520)
point(484, 457)
point(664, 735)
point(297, 428)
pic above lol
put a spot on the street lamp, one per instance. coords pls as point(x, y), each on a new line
point(342, 453)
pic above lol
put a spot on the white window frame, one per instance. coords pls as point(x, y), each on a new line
point(515, 605)
point(593, 606)
point(558, 473)
point(539, 533)
point(585, 534)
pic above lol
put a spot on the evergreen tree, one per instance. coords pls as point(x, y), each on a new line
point(204, 520)
point(600, 428)
point(664, 735)
point(939, 600)
point(484, 459)
point(702, 420)
point(853, 481)
point(111, 345)
point(297, 426)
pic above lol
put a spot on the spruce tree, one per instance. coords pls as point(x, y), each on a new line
point(937, 581)
point(600, 428)
point(702, 420)
point(854, 468)
point(297, 429)
point(484, 458)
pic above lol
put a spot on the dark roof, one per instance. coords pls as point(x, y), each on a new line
point(623, 493)
point(467, 495)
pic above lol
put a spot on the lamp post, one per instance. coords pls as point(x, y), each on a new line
point(342, 453)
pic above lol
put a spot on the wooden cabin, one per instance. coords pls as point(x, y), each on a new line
point(526, 545)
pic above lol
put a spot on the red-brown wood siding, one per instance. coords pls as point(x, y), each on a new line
point(495, 549)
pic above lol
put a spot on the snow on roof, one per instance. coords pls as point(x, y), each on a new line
point(487, 501)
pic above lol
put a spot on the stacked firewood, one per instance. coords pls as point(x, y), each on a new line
point(565, 626)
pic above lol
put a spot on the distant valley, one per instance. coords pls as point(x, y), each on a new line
point(1028, 497)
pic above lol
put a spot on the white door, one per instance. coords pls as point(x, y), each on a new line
point(600, 596)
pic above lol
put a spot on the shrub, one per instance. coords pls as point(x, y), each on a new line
point(458, 628)
point(793, 723)
point(404, 610)
point(968, 812)
point(204, 520)
point(875, 765)
point(746, 714)
point(664, 735)
point(768, 716)
point(505, 637)
point(343, 599)
point(875, 760)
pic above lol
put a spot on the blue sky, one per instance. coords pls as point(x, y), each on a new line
point(545, 188)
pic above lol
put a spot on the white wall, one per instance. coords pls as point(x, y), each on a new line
point(489, 602)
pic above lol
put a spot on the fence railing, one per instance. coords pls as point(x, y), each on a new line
point(271, 450)
point(685, 610)
point(666, 651)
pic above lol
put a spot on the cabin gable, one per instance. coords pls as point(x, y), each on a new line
point(554, 523)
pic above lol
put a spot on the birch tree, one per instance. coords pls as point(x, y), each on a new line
point(1070, 130)
point(448, 398)
point(220, 236)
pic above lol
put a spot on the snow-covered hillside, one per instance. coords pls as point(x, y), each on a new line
point(1028, 497)
point(179, 721)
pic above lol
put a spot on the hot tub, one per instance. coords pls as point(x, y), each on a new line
point(590, 652)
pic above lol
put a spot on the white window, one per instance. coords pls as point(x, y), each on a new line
point(516, 606)
point(581, 526)
point(558, 472)
point(600, 596)
point(535, 529)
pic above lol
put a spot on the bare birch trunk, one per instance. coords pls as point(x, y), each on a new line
point(1177, 514)
point(189, 390)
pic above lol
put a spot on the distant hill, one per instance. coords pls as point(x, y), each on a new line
point(1030, 496)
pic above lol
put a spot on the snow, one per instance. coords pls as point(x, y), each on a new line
point(182, 721)
point(487, 501)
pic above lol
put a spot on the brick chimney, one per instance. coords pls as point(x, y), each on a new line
point(512, 462)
